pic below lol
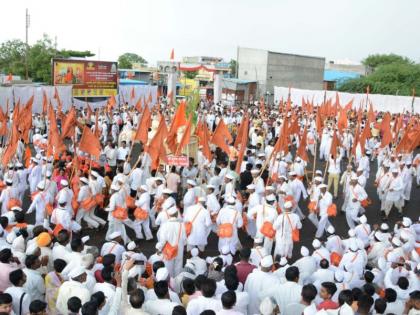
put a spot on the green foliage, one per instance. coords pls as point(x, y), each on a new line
point(393, 74)
point(12, 58)
point(232, 66)
point(193, 100)
point(190, 74)
point(126, 61)
point(64, 53)
point(374, 61)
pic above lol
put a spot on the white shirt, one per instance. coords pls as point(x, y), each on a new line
point(16, 293)
point(201, 303)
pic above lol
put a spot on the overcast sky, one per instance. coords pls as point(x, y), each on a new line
point(335, 29)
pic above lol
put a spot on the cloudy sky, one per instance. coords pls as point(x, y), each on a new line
point(335, 29)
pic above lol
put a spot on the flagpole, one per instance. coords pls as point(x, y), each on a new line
point(412, 101)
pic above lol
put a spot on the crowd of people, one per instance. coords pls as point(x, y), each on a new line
point(275, 166)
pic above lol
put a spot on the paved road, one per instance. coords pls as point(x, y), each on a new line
point(308, 229)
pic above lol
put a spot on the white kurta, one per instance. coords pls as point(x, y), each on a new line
point(201, 221)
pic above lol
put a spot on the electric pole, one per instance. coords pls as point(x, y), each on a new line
point(27, 45)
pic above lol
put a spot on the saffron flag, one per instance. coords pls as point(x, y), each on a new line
point(89, 143)
point(69, 123)
point(222, 137)
point(156, 148)
point(301, 151)
point(144, 125)
point(243, 142)
point(185, 140)
point(172, 56)
point(179, 120)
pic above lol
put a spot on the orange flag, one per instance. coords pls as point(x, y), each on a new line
point(150, 99)
point(185, 140)
point(3, 121)
point(28, 156)
point(356, 140)
point(371, 113)
point(54, 139)
point(204, 141)
point(97, 131)
point(178, 120)
point(89, 111)
point(335, 143)
point(221, 136)
point(301, 151)
point(132, 94)
point(12, 145)
point(89, 143)
point(319, 122)
point(156, 148)
point(386, 130)
point(138, 106)
point(69, 123)
point(144, 125)
point(342, 120)
point(349, 106)
point(282, 143)
point(112, 102)
point(244, 141)
point(172, 56)
point(44, 102)
point(25, 120)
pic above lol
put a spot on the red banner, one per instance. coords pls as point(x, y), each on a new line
point(178, 160)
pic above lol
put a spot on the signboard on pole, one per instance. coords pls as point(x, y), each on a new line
point(88, 78)
point(177, 160)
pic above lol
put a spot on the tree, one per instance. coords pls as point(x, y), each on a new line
point(232, 66)
point(39, 59)
point(12, 57)
point(394, 78)
point(126, 61)
point(190, 74)
point(374, 61)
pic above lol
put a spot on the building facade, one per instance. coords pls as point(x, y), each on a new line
point(272, 69)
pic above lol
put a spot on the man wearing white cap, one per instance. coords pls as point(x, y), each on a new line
point(364, 165)
point(142, 214)
point(355, 195)
point(197, 223)
point(114, 246)
point(22, 175)
point(87, 206)
point(361, 177)
point(407, 176)
point(213, 205)
point(363, 231)
point(189, 197)
point(75, 286)
point(171, 239)
point(325, 201)
point(307, 265)
point(265, 214)
point(320, 252)
point(334, 243)
point(287, 226)
point(96, 188)
point(62, 218)
point(39, 203)
point(394, 194)
point(67, 194)
point(298, 191)
point(345, 182)
point(35, 175)
point(334, 170)
point(50, 185)
point(257, 252)
point(117, 206)
point(258, 182)
point(229, 220)
point(383, 180)
point(259, 280)
point(314, 193)
point(8, 196)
